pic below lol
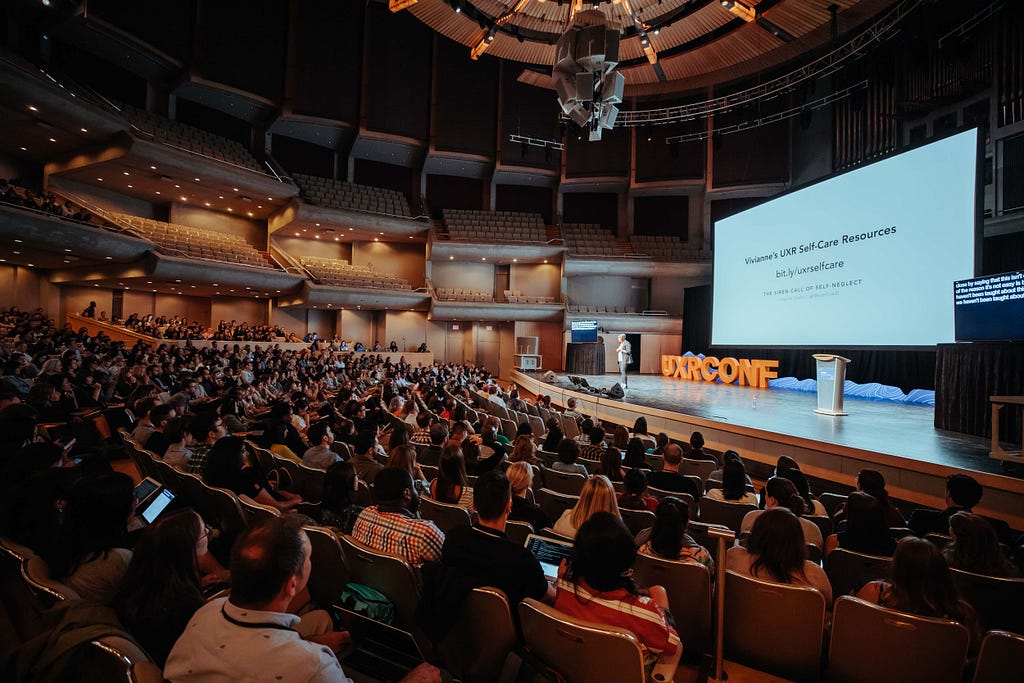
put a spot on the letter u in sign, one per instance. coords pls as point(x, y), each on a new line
point(668, 365)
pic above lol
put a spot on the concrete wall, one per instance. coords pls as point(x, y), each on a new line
point(536, 279)
point(404, 260)
point(604, 290)
point(463, 275)
point(667, 295)
point(105, 199)
point(300, 246)
point(252, 311)
point(254, 232)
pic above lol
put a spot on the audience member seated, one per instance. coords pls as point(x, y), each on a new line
point(734, 484)
point(920, 583)
point(812, 506)
point(12, 193)
point(403, 457)
point(162, 588)
point(640, 432)
point(697, 451)
point(553, 437)
point(669, 479)
point(524, 449)
point(481, 555)
point(492, 446)
point(255, 636)
point(431, 455)
point(634, 489)
point(231, 466)
point(716, 475)
point(975, 548)
point(594, 450)
point(962, 494)
point(568, 453)
point(207, 430)
point(597, 496)
point(780, 492)
point(338, 506)
point(95, 533)
point(596, 586)
point(661, 440)
point(180, 440)
point(158, 442)
point(452, 484)
point(866, 530)
point(611, 464)
point(872, 483)
point(393, 524)
point(520, 478)
point(776, 551)
point(365, 446)
point(636, 456)
point(668, 539)
point(319, 454)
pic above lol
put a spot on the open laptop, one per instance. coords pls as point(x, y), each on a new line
point(382, 652)
point(549, 552)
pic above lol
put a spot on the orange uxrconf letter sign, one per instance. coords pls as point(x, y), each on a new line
point(743, 372)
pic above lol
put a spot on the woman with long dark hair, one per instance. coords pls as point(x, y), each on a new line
point(872, 483)
point(668, 539)
point(780, 492)
point(162, 588)
point(734, 484)
point(554, 436)
point(920, 583)
point(596, 586)
point(975, 547)
point(636, 455)
point(230, 465)
point(866, 530)
point(339, 508)
point(776, 552)
point(452, 484)
point(611, 464)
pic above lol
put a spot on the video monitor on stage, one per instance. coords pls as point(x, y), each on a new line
point(583, 331)
point(990, 308)
point(866, 258)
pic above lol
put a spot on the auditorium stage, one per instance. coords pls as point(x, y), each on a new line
point(899, 440)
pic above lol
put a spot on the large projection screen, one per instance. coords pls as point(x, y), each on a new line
point(864, 259)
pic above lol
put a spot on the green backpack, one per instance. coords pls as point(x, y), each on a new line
point(369, 602)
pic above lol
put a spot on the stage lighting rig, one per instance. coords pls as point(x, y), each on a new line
point(587, 85)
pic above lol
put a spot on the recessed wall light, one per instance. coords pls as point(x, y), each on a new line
point(32, 107)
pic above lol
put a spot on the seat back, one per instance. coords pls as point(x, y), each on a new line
point(998, 601)
point(831, 502)
point(517, 531)
point(727, 514)
point(1000, 658)
point(24, 603)
point(688, 585)
point(429, 472)
point(509, 429)
point(699, 468)
point(774, 628)
point(554, 503)
point(390, 575)
point(848, 571)
point(483, 636)
point(328, 572)
point(823, 523)
point(308, 482)
point(569, 427)
point(581, 651)
point(637, 520)
point(219, 507)
point(537, 427)
point(564, 482)
point(168, 475)
point(444, 515)
point(256, 512)
point(868, 639)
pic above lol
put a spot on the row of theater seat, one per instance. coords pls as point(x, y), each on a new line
point(506, 226)
point(343, 195)
point(194, 242)
point(340, 273)
point(194, 139)
point(589, 239)
point(667, 248)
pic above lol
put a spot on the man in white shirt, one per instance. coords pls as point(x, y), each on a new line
point(250, 636)
point(624, 353)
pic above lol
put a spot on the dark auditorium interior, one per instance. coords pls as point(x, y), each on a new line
point(387, 215)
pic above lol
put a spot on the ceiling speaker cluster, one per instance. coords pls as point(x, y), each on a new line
point(584, 73)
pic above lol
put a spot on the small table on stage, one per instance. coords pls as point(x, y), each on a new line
point(529, 361)
point(998, 452)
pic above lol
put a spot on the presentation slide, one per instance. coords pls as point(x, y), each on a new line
point(990, 308)
point(867, 258)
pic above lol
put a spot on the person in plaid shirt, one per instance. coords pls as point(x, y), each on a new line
point(393, 525)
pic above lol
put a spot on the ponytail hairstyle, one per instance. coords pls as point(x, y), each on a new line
point(785, 493)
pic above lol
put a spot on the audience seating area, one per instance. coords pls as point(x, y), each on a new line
point(342, 274)
point(516, 296)
point(574, 308)
point(341, 195)
point(667, 248)
point(194, 139)
point(196, 242)
point(590, 239)
point(459, 294)
point(502, 226)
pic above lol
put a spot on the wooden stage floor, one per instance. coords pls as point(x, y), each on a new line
point(894, 429)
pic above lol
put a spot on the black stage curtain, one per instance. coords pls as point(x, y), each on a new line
point(907, 370)
point(966, 375)
point(584, 359)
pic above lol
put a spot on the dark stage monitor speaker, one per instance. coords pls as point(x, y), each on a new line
point(616, 391)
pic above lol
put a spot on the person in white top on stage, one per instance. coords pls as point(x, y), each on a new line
point(624, 352)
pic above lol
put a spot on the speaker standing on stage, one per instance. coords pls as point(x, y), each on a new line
point(625, 355)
